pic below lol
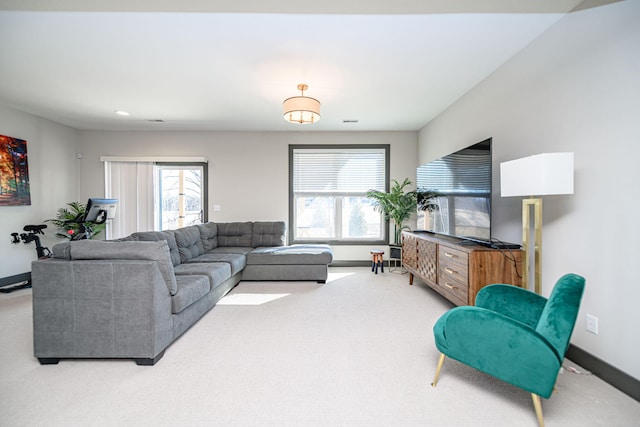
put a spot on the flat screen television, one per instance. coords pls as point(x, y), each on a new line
point(462, 184)
point(99, 210)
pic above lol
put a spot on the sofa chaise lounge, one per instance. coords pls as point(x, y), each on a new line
point(132, 297)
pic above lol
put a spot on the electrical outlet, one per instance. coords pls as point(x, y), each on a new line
point(592, 324)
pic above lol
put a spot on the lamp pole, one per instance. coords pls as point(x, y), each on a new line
point(536, 202)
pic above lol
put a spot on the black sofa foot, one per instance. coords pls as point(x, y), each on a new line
point(149, 361)
point(48, 360)
point(322, 281)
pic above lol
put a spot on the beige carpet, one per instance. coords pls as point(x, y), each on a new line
point(357, 351)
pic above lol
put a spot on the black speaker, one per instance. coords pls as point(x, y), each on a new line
point(395, 252)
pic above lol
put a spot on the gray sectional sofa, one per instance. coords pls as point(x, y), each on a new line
point(132, 297)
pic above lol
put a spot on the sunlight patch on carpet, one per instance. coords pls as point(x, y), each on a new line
point(250, 299)
point(337, 276)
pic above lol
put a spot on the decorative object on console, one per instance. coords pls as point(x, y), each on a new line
point(539, 175)
point(14, 172)
point(301, 109)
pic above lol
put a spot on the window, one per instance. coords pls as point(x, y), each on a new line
point(327, 193)
point(180, 195)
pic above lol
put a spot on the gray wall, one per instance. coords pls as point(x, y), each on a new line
point(576, 88)
point(248, 171)
point(53, 177)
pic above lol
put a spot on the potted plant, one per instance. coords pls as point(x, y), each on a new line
point(398, 204)
point(70, 225)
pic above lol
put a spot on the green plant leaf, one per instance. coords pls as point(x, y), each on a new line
point(397, 205)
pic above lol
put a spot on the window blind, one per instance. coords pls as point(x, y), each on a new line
point(338, 170)
point(132, 184)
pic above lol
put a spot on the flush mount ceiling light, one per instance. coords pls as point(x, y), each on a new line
point(301, 109)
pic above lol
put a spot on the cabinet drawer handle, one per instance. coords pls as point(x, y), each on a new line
point(449, 255)
point(450, 286)
point(450, 270)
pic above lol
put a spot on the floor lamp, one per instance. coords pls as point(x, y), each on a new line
point(534, 176)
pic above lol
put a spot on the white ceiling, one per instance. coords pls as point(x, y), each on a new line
point(228, 65)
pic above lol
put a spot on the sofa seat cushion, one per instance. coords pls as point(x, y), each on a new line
point(294, 254)
point(217, 272)
point(236, 261)
point(190, 289)
point(243, 250)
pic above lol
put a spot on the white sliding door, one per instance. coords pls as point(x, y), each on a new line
point(154, 194)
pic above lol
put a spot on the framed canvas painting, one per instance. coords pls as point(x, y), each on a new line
point(14, 172)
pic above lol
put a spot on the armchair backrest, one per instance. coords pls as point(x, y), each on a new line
point(560, 312)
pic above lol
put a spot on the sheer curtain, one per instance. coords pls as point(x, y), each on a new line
point(132, 183)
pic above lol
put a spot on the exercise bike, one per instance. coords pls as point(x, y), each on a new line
point(31, 235)
point(85, 226)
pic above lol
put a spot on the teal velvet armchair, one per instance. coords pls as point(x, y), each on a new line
point(513, 334)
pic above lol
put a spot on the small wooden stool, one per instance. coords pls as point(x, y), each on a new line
point(377, 261)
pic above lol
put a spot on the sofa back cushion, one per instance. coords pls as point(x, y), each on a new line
point(156, 236)
point(189, 243)
point(234, 233)
point(270, 233)
point(209, 235)
point(106, 250)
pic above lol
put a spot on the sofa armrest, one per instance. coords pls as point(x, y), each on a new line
point(100, 309)
point(499, 346)
point(513, 302)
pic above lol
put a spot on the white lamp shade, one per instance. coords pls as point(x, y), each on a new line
point(301, 109)
point(538, 175)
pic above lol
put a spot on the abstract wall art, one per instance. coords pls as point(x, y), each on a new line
point(14, 172)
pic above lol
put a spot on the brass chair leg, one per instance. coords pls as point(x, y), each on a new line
point(438, 369)
point(538, 406)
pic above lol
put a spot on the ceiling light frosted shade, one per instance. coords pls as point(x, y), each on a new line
point(301, 109)
point(538, 175)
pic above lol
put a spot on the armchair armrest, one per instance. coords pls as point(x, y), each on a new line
point(499, 346)
point(100, 309)
point(513, 302)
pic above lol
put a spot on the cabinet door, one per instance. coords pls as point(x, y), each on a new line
point(427, 261)
point(409, 251)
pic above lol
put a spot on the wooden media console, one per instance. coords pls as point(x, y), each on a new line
point(458, 269)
